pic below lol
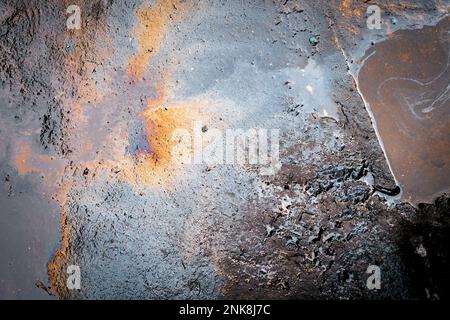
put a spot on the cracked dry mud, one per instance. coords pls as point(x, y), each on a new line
point(88, 178)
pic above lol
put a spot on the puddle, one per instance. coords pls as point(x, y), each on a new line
point(404, 80)
point(28, 233)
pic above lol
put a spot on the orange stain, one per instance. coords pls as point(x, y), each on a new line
point(162, 121)
point(28, 162)
point(150, 31)
point(347, 8)
point(23, 160)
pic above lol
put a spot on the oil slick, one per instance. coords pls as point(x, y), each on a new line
point(150, 30)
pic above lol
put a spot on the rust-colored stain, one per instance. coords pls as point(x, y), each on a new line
point(357, 8)
point(27, 162)
point(399, 9)
point(349, 8)
point(162, 121)
point(23, 159)
point(405, 81)
point(152, 22)
point(56, 266)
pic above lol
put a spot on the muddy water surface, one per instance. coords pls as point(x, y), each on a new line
point(405, 82)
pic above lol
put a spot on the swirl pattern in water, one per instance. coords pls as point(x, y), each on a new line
point(405, 83)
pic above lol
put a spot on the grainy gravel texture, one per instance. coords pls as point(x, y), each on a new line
point(86, 120)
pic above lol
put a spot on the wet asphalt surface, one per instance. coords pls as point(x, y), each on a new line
point(88, 177)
